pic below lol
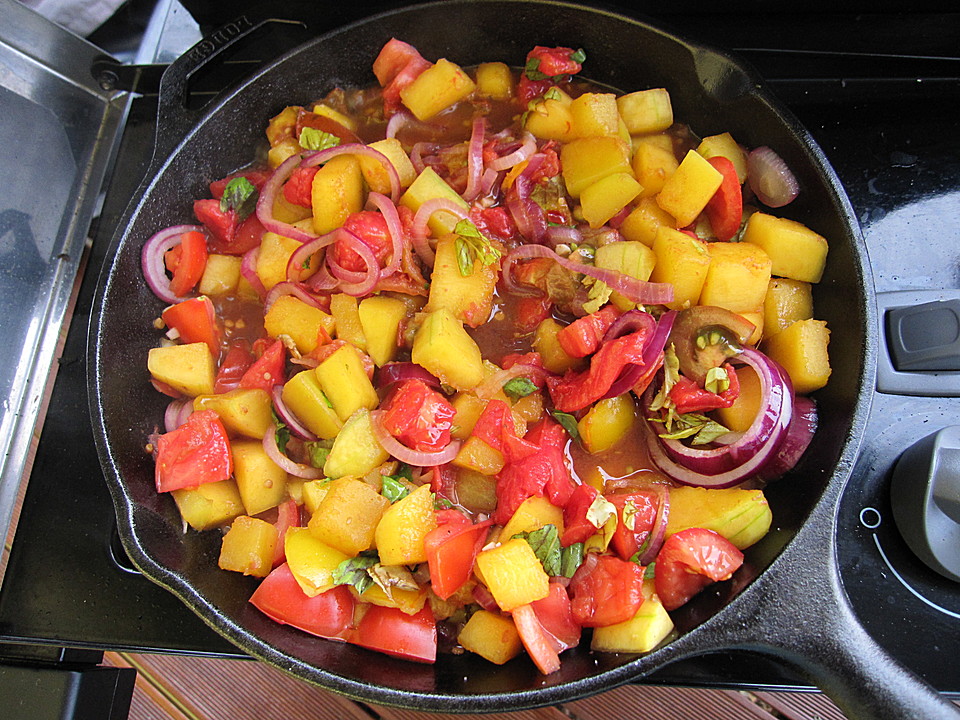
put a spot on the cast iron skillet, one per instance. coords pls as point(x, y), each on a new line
point(787, 601)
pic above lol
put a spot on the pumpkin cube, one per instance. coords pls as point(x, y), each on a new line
point(688, 190)
point(275, 252)
point(209, 505)
point(406, 600)
point(491, 636)
point(248, 547)
point(741, 516)
point(682, 261)
point(335, 115)
point(802, 351)
point(312, 493)
point(642, 633)
point(375, 173)
point(513, 574)
point(428, 186)
point(646, 111)
point(653, 163)
point(337, 191)
point(534, 513)
point(356, 450)
point(550, 118)
point(643, 222)
point(311, 561)
point(440, 86)
point(607, 423)
point(305, 398)
point(603, 199)
point(555, 358)
point(244, 411)
point(468, 297)
point(737, 278)
point(786, 302)
point(189, 369)
point(724, 145)
point(494, 80)
point(475, 454)
point(587, 160)
point(299, 321)
point(468, 407)
point(262, 484)
point(347, 517)
point(795, 251)
point(403, 527)
point(380, 319)
point(595, 114)
point(443, 347)
point(345, 382)
point(345, 310)
point(475, 491)
point(630, 258)
point(220, 276)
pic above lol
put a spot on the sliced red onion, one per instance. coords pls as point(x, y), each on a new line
point(659, 532)
point(352, 282)
point(528, 147)
point(397, 372)
point(388, 210)
point(297, 290)
point(322, 280)
point(416, 154)
point(300, 256)
point(494, 384)
point(397, 122)
point(287, 416)
point(638, 291)
point(488, 182)
point(268, 195)
point(248, 268)
point(286, 464)
point(421, 230)
point(177, 413)
point(562, 234)
point(404, 454)
point(799, 435)
point(770, 179)
point(475, 159)
point(527, 214)
point(359, 149)
point(152, 260)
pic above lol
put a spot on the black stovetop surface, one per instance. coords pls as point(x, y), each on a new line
point(855, 82)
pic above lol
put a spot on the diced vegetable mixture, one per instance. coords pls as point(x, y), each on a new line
point(486, 360)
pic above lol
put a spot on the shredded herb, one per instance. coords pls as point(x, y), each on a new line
point(394, 489)
point(313, 139)
point(650, 571)
point(635, 558)
point(441, 503)
point(568, 422)
point(240, 195)
point(519, 387)
point(552, 94)
point(317, 452)
point(545, 543)
point(700, 428)
point(578, 56)
point(283, 432)
point(717, 380)
point(571, 558)
point(600, 511)
point(355, 572)
point(470, 245)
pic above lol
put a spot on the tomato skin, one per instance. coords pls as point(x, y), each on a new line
point(555, 613)
point(327, 615)
point(195, 320)
point(418, 416)
point(371, 228)
point(195, 453)
point(689, 561)
point(452, 549)
point(393, 632)
point(267, 370)
point(535, 639)
point(627, 542)
point(690, 397)
point(299, 188)
point(288, 516)
point(235, 363)
point(725, 208)
point(576, 526)
point(583, 336)
point(229, 235)
point(606, 590)
point(397, 65)
point(190, 262)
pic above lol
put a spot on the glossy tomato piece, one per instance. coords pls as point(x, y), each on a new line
point(267, 370)
point(452, 549)
point(725, 208)
point(555, 613)
point(576, 527)
point(606, 590)
point(690, 397)
point(189, 260)
point(235, 363)
point(582, 337)
point(288, 516)
point(538, 644)
point(299, 188)
point(393, 632)
point(371, 228)
point(638, 509)
point(689, 561)
point(195, 320)
point(327, 615)
point(196, 453)
point(418, 416)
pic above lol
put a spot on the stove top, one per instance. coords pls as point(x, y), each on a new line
point(872, 90)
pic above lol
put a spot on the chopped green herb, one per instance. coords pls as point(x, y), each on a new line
point(578, 56)
point(355, 572)
point(240, 195)
point(532, 70)
point(471, 244)
point(313, 139)
point(568, 422)
point(717, 381)
point(545, 543)
point(317, 452)
point(441, 503)
point(466, 259)
point(600, 511)
point(393, 577)
point(283, 432)
point(519, 387)
point(650, 571)
point(700, 428)
point(571, 557)
point(553, 94)
point(393, 489)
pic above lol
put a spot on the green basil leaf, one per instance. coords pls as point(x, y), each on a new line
point(313, 139)
point(240, 195)
point(480, 245)
point(317, 453)
point(355, 572)
point(568, 422)
point(651, 570)
point(545, 543)
point(571, 558)
point(465, 257)
point(578, 56)
point(519, 387)
point(393, 489)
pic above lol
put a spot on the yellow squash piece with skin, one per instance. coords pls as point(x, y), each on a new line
point(428, 186)
point(244, 411)
point(356, 450)
point(375, 174)
point(628, 257)
point(555, 358)
point(209, 505)
point(646, 111)
point(311, 561)
point(724, 145)
point(741, 516)
point(190, 369)
point(475, 454)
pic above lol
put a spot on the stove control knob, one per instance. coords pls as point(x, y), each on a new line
point(925, 494)
point(925, 337)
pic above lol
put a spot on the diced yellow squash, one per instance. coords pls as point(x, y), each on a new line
point(345, 310)
point(801, 349)
point(682, 261)
point(595, 114)
point(209, 505)
point(475, 491)
point(442, 346)
point(607, 423)
point(468, 407)
point(641, 633)
point(299, 321)
point(528, 409)
point(741, 516)
point(629, 257)
point(288, 212)
point(739, 416)
point(404, 526)
point(262, 484)
point(313, 492)
point(282, 151)
point(376, 174)
point(652, 164)
point(428, 186)
point(406, 600)
point(513, 574)
point(534, 513)
point(646, 111)
point(786, 302)
point(355, 450)
point(440, 86)
point(475, 454)
point(244, 411)
point(311, 561)
point(587, 160)
point(380, 318)
point(643, 222)
point(275, 252)
point(494, 80)
point(248, 547)
point(603, 199)
point(335, 115)
point(795, 251)
point(347, 517)
point(468, 297)
point(345, 382)
point(737, 278)
point(492, 636)
point(555, 358)
point(189, 369)
point(282, 126)
point(688, 190)
point(220, 276)
point(337, 191)
point(723, 145)
point(550, 118)
point(304, 397)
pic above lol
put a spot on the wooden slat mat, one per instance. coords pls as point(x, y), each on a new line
point(174, 687)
